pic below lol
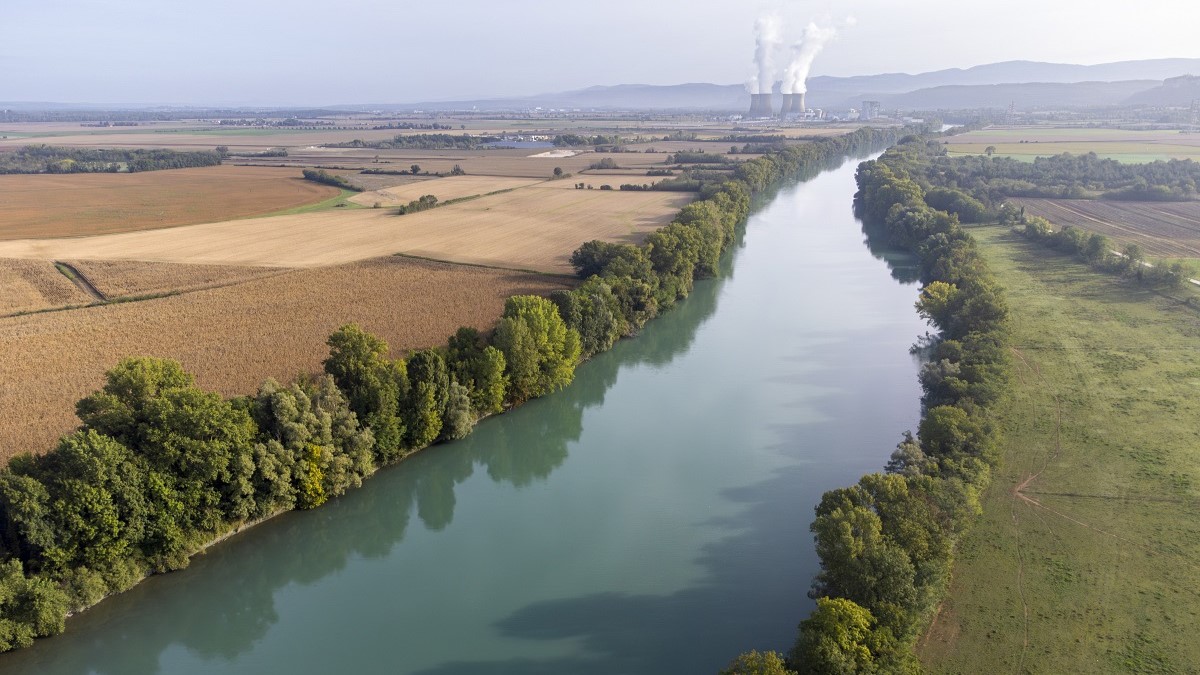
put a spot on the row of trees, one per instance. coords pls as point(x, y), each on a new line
point(325, 178)
point(886, 544)
point(160, 467)
point(422, 142)
point(54, 159)
point(1097, 251)
point(1064, 176)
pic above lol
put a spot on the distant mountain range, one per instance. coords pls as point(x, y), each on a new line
point(1025, 84)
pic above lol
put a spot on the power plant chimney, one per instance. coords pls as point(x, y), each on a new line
point(760, 106)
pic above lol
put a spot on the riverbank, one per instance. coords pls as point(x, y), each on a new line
point(637, 501)
point(1083, 559)
point(167, 488)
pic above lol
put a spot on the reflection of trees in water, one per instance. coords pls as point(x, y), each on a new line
point(225, 603)
point(902, 265)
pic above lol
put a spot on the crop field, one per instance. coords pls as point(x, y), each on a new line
point(32, 285)
point(233, 337)
point(1137, 146)
point(445, 189)
point(130, 278)
point(1084, 560)
point(528, 228)
point(74, 205)
point(1162, 229)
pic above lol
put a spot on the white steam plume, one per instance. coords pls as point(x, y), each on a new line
point(766, 42)
point(804, 52)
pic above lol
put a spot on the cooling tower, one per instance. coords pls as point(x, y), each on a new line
point(799, 106)
point(788, 108)
point(760, 106)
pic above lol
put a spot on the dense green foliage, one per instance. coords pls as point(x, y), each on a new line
point(52, 159)
point(575, 140)
point(991, 179)
point(886, 544)
point(159, 467)
point(325, 178)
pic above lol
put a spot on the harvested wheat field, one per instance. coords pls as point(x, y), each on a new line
point(528, 228)
point(131, 278)
point(445, 189)
point(32, 285)
point(72, 205)
point(234, 337)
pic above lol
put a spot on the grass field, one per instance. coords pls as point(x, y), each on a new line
point(1162, 229)
point(1085, 560)
point(528, 228)
point(1136, 146)
point(33, 285)
point(445, 189)
point(235, 336)
point(75, 205)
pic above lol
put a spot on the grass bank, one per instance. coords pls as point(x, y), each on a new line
point(1087, 556)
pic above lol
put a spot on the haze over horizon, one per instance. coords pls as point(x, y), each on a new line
point(144, 52)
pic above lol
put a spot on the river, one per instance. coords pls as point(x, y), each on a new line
point(651, 518)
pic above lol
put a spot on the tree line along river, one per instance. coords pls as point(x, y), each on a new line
point(650, 518)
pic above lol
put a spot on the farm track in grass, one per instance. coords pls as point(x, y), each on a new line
point(74, 205)
point(235, 336)
point(1162, 229)
point(527, 228)
point(1085, 559)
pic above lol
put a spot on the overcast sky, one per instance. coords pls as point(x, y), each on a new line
point(311, 52)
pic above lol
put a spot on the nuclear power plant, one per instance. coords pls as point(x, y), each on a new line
point(793, 82)
point(761, 106)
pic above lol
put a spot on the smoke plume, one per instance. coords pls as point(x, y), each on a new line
point(766, 42)
point(803, 53)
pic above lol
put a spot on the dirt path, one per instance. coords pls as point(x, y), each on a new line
point(77, 278)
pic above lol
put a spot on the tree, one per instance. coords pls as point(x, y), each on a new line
point(373, 386)
point(428, 393)
point(558, 172)
point(459, 417)
point(835, 639)
point(197, 441)
point(415, 169)
point(757, 663)
point(95, 510)
point(30, 607)
point(989, 150)
point(479, 367)
point(540, 351)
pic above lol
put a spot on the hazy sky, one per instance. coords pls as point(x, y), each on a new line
point(264, 52)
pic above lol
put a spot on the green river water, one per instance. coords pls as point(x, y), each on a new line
point(651, 518)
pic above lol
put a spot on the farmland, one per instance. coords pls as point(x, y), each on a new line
point(445, 189)
point(1161, 229)
point(130, 278)
point(1084, 558)
point(233, 337)
point(527, 228)
point(33, 285)
point(1119, 144)
point(74, 205)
